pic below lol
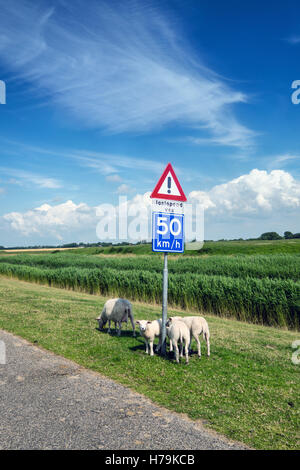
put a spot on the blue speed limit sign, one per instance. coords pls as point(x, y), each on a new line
point(167, 232)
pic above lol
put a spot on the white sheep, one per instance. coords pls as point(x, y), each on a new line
point(197, 325)
point(118, 311)
point(149, 330)
point(177, 330)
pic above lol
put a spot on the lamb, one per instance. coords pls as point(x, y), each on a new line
point(197, 325)
point(149, 330)
point(177, 330)
point(116, 310)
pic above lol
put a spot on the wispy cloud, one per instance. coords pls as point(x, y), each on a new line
point(293, 39)
point(120, 67)
point(273, 162)
point(25, 177)
point(282, 160)
point(111, 166)
point(115, 178)
point(111, 163)
point(229, 133)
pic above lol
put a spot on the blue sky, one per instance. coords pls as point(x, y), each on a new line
point(100, 96)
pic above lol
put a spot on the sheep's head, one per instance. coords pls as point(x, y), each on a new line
point(143, 324)
point(101, 323)
point(169, 322)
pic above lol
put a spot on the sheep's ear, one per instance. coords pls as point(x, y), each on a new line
point(170, 319)
point(149, 321)
point(137, 322)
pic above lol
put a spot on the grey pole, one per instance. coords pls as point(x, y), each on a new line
point(164, 304)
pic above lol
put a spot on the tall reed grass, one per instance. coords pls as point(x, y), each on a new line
point(268, 301)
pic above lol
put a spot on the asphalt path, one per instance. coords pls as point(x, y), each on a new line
point(49, 402)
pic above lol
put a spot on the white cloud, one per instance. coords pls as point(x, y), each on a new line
point(113, 178)
point(66, 221)
point(121, 68)
point(252, 193)
point(245, 206)
point(55, 220)
point(123, 189)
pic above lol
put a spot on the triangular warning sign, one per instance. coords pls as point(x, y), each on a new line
point(168, 186)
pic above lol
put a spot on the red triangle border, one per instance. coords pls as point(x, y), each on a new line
point(156, 195)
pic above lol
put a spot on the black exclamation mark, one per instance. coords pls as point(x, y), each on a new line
point(169, 184)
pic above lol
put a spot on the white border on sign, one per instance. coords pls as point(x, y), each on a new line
point(163, 249)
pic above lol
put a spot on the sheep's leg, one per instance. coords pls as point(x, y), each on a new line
point(190, 345)
point(115, 327)
point(181, 349)
point(171, 346)
point(119, 330)
point(198, 344)
point(207, 343)
point(108, 331)
point(151, 347)
point(176, 351)
point(186, 352)
point(132, 323)
point(146, 343)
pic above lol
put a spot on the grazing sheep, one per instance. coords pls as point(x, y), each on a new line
point(177, 330)
point(116, 310)
point(197, 325)
point(149, 330)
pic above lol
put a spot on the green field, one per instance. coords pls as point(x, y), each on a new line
point(210, 248)
point(258, 288)
point(244, 247)
point(248, 389)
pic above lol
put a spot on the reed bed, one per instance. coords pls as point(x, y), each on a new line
point(269, 300)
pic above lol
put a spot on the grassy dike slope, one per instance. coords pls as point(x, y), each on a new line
point(248, 389)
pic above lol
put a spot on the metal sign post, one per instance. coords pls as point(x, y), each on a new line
point(164, 305)
point(167, 229)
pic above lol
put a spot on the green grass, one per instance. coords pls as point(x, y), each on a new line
point(280, 266)
point(248, 389)
point(249, 247)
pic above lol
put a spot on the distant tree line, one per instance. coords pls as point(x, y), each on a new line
point(70, 245)
point(264, 236)
point(66, 245)
point(275, 236)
